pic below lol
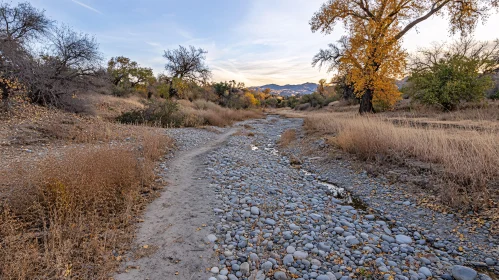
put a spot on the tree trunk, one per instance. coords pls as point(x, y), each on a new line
point(366, 103)
point(5, 97)
point(171, 91)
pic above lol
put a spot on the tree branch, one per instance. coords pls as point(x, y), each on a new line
point(433, 10)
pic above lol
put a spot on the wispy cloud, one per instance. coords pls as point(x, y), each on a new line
point(87, 6)
point(272, 43)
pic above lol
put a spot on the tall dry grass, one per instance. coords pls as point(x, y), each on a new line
point(216, 115)
point(287, 137)
point(469, 159)
point(70, 215)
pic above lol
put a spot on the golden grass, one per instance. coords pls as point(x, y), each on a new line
point(64, 216)
point(287, 137)
point(208, 113)
point(469, 158)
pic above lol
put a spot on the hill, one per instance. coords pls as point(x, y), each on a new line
point(289, 90)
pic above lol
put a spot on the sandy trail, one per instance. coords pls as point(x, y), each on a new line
point(176, 224)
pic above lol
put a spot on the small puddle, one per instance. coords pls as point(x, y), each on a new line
point(335, 190)
point(273, 151)
point(341, 193)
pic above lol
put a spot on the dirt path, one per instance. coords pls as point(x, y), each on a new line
point(173, 234)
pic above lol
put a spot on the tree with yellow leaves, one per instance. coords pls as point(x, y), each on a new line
point(371, 54)
point(250, 99)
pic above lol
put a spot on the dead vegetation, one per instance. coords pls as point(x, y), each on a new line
point(183, 113)
point(287, 137)
point(72, 185)
point(68, 207)
point(209, 113)
point(468, 159)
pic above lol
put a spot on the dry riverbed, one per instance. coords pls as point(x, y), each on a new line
point(236, 208)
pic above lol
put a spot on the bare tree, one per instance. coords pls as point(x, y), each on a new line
point(22, 23)
point(485, 54)
point(18, 25)
point(186, 64)
point(69, 65)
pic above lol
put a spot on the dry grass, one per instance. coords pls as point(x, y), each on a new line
point(469, 158)
point(69, 214)
point(206, 112)
point(287, 137)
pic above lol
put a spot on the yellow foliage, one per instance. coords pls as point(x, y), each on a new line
point(371, 55)
point(373, 61)
point(11, 84)
point(251, 99)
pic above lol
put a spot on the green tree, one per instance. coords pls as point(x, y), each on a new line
point(127, 74)
point(448, 76)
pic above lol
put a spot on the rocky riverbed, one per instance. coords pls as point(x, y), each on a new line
point(237, 207)
point(275, 221)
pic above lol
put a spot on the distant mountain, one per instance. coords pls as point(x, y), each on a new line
point(289, 90)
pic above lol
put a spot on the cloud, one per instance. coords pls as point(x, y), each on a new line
point(153, 44)
point(87, 6)
point(272, 44)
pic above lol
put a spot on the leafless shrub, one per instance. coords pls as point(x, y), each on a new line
point(18, 26)
point(69, 63)
point(68, 66)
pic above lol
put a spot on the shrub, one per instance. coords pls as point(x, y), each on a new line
point(450, 82)
point(287, 137)
point(459, 74)
point(186, 114)
point(64, 217)
point(158, 113)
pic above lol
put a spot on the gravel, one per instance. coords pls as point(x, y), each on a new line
point(276, 221)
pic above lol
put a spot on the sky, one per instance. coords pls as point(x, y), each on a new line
point(252, 41)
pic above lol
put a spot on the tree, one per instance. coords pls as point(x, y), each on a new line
point(70, 63)
point(186, 64)
point(343, 86)
point(321, 87)
point(371, 53)
point(18, 26)
point(126, 73)
point(446, 76)
point(250, 99)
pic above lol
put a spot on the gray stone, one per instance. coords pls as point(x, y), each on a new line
point(211, 238)
point(299, 255)
point(270, 221)
point(388, 238)
point(267, 266)
point(215, 270)
point(490, 262)
point(463, 273)
point(403, 239)
point(288, 260)
point(353, 241)
point(245, 268)
point(425, 271)
point(279, 275)
point(315, 216)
